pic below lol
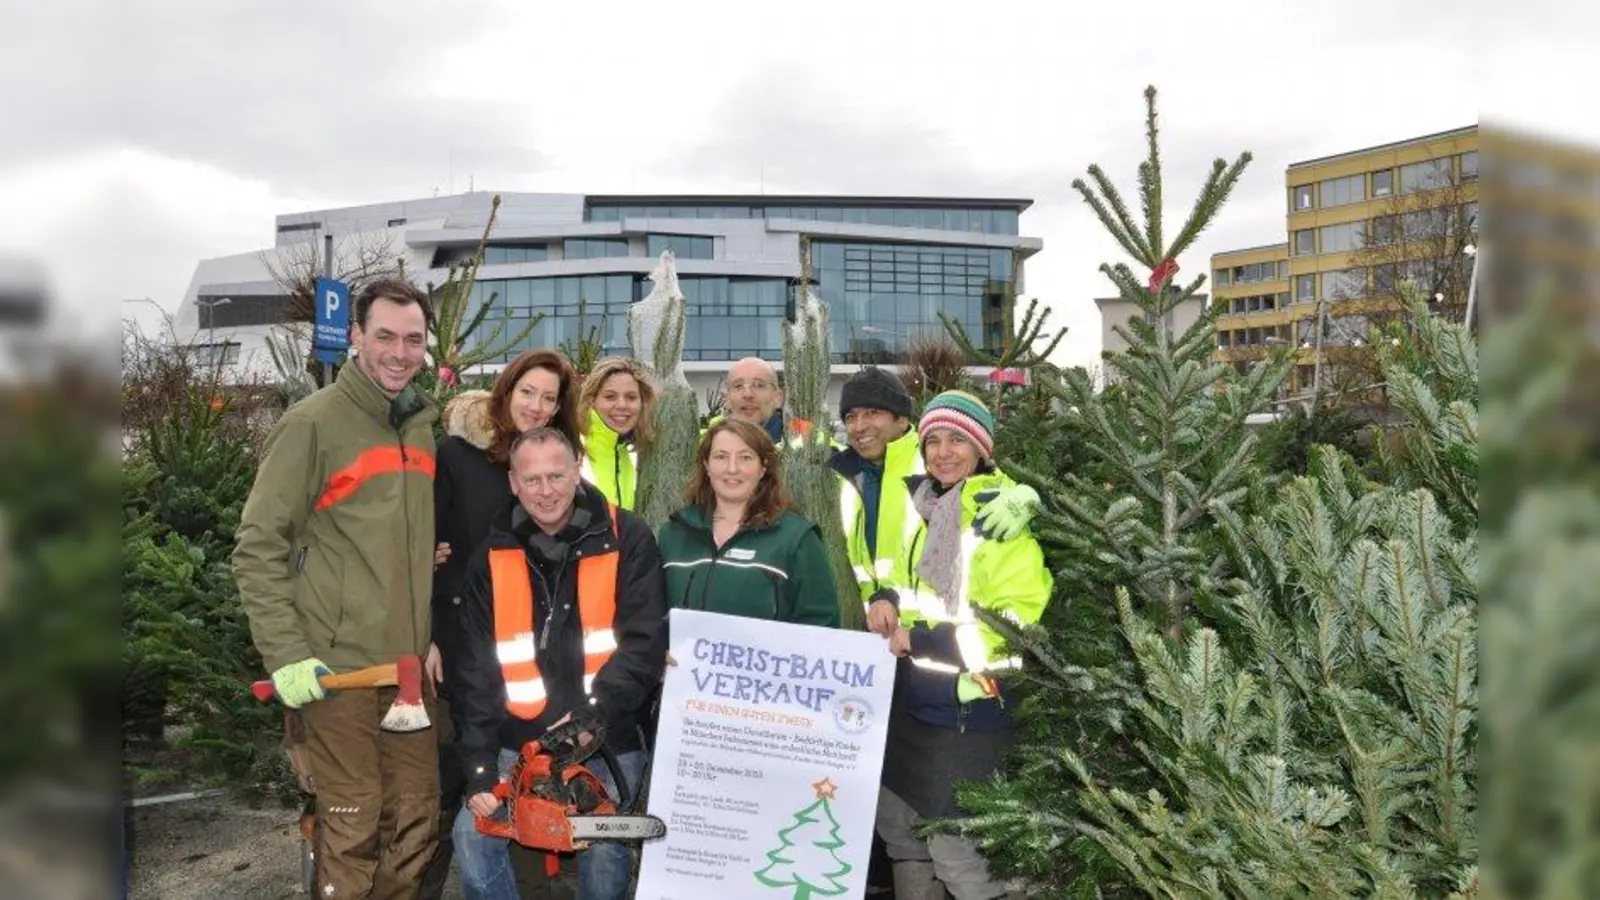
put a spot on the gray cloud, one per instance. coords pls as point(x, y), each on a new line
point(313, 97)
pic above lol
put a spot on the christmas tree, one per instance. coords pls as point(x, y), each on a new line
point(813, 485)
point(655, 331)
point(807, 859)
point(1286, 704)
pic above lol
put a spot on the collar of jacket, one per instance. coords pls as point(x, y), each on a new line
point(466, 416)
point(984, 479)
point(371, 399)
point(601, 438)
point(590, 519)
point(897, 457)
point(694, 518)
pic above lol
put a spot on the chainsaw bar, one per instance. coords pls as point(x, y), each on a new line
point(616, 828)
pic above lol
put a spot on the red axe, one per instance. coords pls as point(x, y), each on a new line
point(406, 713)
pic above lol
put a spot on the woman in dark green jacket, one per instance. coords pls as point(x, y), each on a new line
point(736, 548)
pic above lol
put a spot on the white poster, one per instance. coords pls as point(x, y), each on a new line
point(767, 760)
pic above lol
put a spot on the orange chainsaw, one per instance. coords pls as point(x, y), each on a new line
point(554, 803)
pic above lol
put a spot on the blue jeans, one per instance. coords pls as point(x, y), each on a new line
point(485, 862)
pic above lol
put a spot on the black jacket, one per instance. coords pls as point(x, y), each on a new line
point(622, 688)
point(470, 495)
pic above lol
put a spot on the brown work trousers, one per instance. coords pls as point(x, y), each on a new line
point(377, 796)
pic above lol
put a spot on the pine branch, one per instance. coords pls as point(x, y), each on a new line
point(1122, 227)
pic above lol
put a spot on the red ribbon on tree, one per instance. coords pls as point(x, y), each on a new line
point(447, 375)
point(1162, 274)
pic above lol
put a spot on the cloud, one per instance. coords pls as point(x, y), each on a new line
point(310, 97)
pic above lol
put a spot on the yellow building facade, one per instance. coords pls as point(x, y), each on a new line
point(1356, 225)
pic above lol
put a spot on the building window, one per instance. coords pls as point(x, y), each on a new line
point(1222, 338)
point(394, 223)
point(1303, 196)
point(240, 311)
point(1425, 176)
point(504, 254)
point(1382, 231)
point(879, 296)
point(1469, 165)
point(1383, 182)
point(1340, 191)
point(595, 248)
point(1341, 238)
point(222, 353)
point(1305, 288)
point(683, 246)
point(299, 226)
point(1344, 284)
point(1385, 278)
point(1305, 242)
point(1221, 277)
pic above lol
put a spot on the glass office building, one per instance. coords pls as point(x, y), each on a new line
point(564, 266)
point(886, 269)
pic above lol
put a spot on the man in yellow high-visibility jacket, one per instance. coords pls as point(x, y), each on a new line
point(882, 453)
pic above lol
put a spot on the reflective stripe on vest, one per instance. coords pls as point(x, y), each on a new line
point(515, 642)
point(919, 603)
point(872, 571)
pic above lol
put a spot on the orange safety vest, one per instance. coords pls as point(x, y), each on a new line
point(515, 643)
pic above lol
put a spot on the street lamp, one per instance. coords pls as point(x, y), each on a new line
point(211, 304)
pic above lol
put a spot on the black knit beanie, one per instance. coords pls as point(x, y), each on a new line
point(874, 388)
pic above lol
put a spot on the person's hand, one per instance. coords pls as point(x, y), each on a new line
point(882, 618)
point(900, 642)
point(1005, 514)
point(433, 664)
point(671, 660)
point(297, 683)
point(483, 805)
point(440, 554)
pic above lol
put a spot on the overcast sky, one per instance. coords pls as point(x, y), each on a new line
point(141, 138)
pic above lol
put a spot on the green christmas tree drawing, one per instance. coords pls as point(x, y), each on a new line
point(807, 860)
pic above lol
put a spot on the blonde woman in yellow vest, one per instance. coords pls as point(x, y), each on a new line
point(617, 408)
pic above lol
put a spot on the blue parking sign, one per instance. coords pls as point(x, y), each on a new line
point(330, 335)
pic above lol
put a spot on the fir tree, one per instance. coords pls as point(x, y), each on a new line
point(456, 346)
point(655, 331)
point(813, 485)
point(1286, 706)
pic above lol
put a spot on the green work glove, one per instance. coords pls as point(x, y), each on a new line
point(1005, 514)
point(297, 683)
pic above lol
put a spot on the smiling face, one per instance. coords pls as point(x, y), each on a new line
point(534, 399)
point(753, 394)
point(870, 431)
point(390, 344)
point(618, 402)
point(544, 478)
point(734, 468)
point(949, 455)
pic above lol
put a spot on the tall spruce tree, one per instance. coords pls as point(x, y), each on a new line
point(1286, 704)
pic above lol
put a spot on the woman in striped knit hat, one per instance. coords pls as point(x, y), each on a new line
point(950, 722)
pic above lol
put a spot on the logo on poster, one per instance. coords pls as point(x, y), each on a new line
point(853, 715)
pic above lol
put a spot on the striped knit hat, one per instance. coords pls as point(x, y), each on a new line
point(963, 412)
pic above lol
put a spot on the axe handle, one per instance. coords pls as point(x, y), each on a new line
point(373, 676)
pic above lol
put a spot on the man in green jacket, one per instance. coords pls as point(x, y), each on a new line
point(334, 563)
